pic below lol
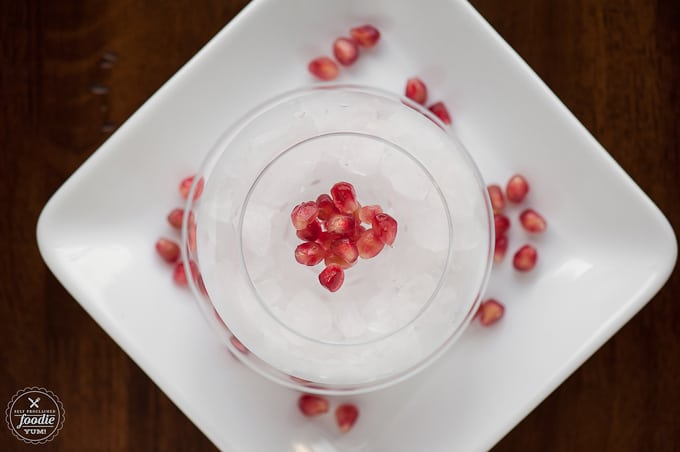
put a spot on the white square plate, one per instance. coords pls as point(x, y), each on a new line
point(608, 249)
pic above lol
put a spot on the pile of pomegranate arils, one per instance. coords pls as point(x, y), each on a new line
point(524, 260)
point(332, 230)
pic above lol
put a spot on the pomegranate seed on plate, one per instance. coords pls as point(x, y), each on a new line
point(385, 228)
point(344, 197)
point(501, 223)
point(313, 405)
point(238, 345)
point(310, 233)
point(367, 213)
point(345, 416)
point(496, 196)
point(185, 187)
point(175, 218)
point(309, 253)
point(346, 51)
point(517, 189)
point(167, 249)
point(366, 35)
point(326, 206)
point(326, 238)
point(500, 248)
point(323, 68)
point(303, 214)
point(440, 111)
point(345, 249)
point(490, 312)
point(369, 245)
point(341, 224)
point(332, 277)
point(179, 275)
point(525, 258)
point(416, 90)
point(334, 259)
point(532, 221)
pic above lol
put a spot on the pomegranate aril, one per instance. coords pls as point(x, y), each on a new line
point(185, 187)
point(341, 224)
point(517, 189)
point(345, 249)
point(416, 90)
point(326, 206)
point(323, 68)
point(238, 345)
point(369, 245)
point(525, 258)
point(501, 223)
point(367, 213)
point(167, 249)
point(496, 196)
point(532, 221)
point(313, 405)
point(326, 238)
point(346, 416)
point(334, 259)
point(175, 218)
point(303, 214)
point(366, 35)
point(346, 51)
point(344, 197)
point(310, 233)
point(191, 232)
point(490, 312)
point(309, 253)
point(179, 275)
point(332, 277)
point(385, 228)
point(440, 111)
point(500, 248)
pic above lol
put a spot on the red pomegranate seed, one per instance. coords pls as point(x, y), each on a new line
point(367, 213)
point(191, 232)
point(500, 248)
point(327, 238)
point(303, 214)
point(358, 230)
point(332, 277)
point(440, 111)
point(496, 196)
point(179, 275)
point(532, 221)
point(334, 259)
point(326, 206)
point(313, 405)
point(167, 249)
point(341, 224)
point(501, 223)
point(238, 345)
point(309, 253)
point(385, 228)
point(366, 35)
point(525, 258)
point(416, 90)
point(310, 233)
point(369, 245)
point(345, 416)
point(346, 250)
point(185, 187)
point(175, 218)
point(517, 189)
point(344, 197)
point(490, 312)
point(346, 51)
point(323, 68)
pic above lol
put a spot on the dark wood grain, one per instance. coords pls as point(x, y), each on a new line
point(73, 71)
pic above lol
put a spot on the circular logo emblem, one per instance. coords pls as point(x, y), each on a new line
point(35, 415)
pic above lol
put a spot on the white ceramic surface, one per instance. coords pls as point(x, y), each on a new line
point(595, 270)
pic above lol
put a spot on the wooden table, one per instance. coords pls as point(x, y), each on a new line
point(614, 63)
